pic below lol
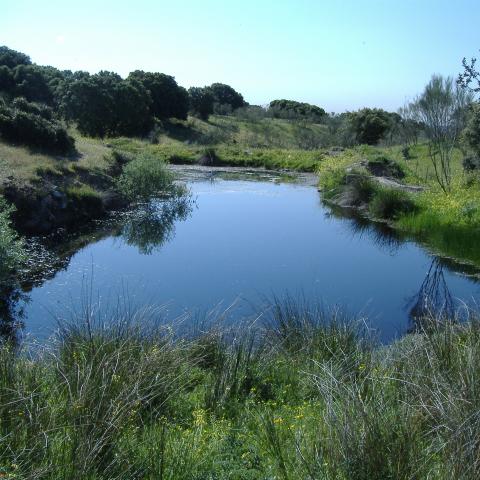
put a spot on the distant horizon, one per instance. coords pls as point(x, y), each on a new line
point(341, 56)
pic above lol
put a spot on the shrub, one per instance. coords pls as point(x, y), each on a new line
point(406, 153)
point(42, 110)
point(32, 128)
point(370, 125)
point(201, 102)
point(361, 188)
point(11, 248)
point(382, 166)
point(472, 131)
point(389, 203)
point(471, 163)
point(145, 177)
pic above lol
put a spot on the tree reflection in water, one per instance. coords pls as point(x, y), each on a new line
point(433, 302)
point(152, 225)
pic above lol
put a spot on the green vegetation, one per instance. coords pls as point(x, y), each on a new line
point(11, 248)
point(84, 198)
point(295, 110)
point(201, 102)
point(371, 124)
point(447, 223)
point(442, 108)
point(33, 125)
point(145, 177)
point(390, 204)
point(309, 396)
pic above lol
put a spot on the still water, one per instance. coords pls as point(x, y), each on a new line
point(242, 241)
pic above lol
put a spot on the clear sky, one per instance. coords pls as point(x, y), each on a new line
point(339, 54)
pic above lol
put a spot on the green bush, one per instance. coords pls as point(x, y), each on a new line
point(389, 203)
point(11, 248)
point(360, 187)
point(382, 166)
point(472, 131)
point(27, 124)
point(146, 176)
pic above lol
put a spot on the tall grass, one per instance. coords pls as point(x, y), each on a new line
point(308, 394)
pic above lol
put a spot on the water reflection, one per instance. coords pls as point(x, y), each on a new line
point(381, 234)
point(433, 301)
point(12, 301)
point(152, 225)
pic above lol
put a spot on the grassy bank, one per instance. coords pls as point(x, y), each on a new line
point(268, 143)
point(56, 191)
point(262, 143)
point(308, 396)
point(447, 223)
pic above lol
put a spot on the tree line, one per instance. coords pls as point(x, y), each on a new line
point(36, 101)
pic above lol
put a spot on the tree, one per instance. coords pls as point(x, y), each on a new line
point(469, 75)
point(89, 102)
point(201, 102)
point(32, 83)
point(132, 114)
point(409, 127)
point(442, 109)
point(224, 95)
point(105, 104)
point(370, 125)
point(11, 58)
point(169, 100)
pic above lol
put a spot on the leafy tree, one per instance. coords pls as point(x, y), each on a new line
point(225, 95)
point(442, 109)
point(201, 102)
point(90, 103)
point(168, 99)
point(105, 104)
point(32, 83)
point(132, 108)
point(11, 58)
point(370, 125)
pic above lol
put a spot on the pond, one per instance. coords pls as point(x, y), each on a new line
point(238, 241)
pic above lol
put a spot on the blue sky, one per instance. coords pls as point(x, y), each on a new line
point(341, 55)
